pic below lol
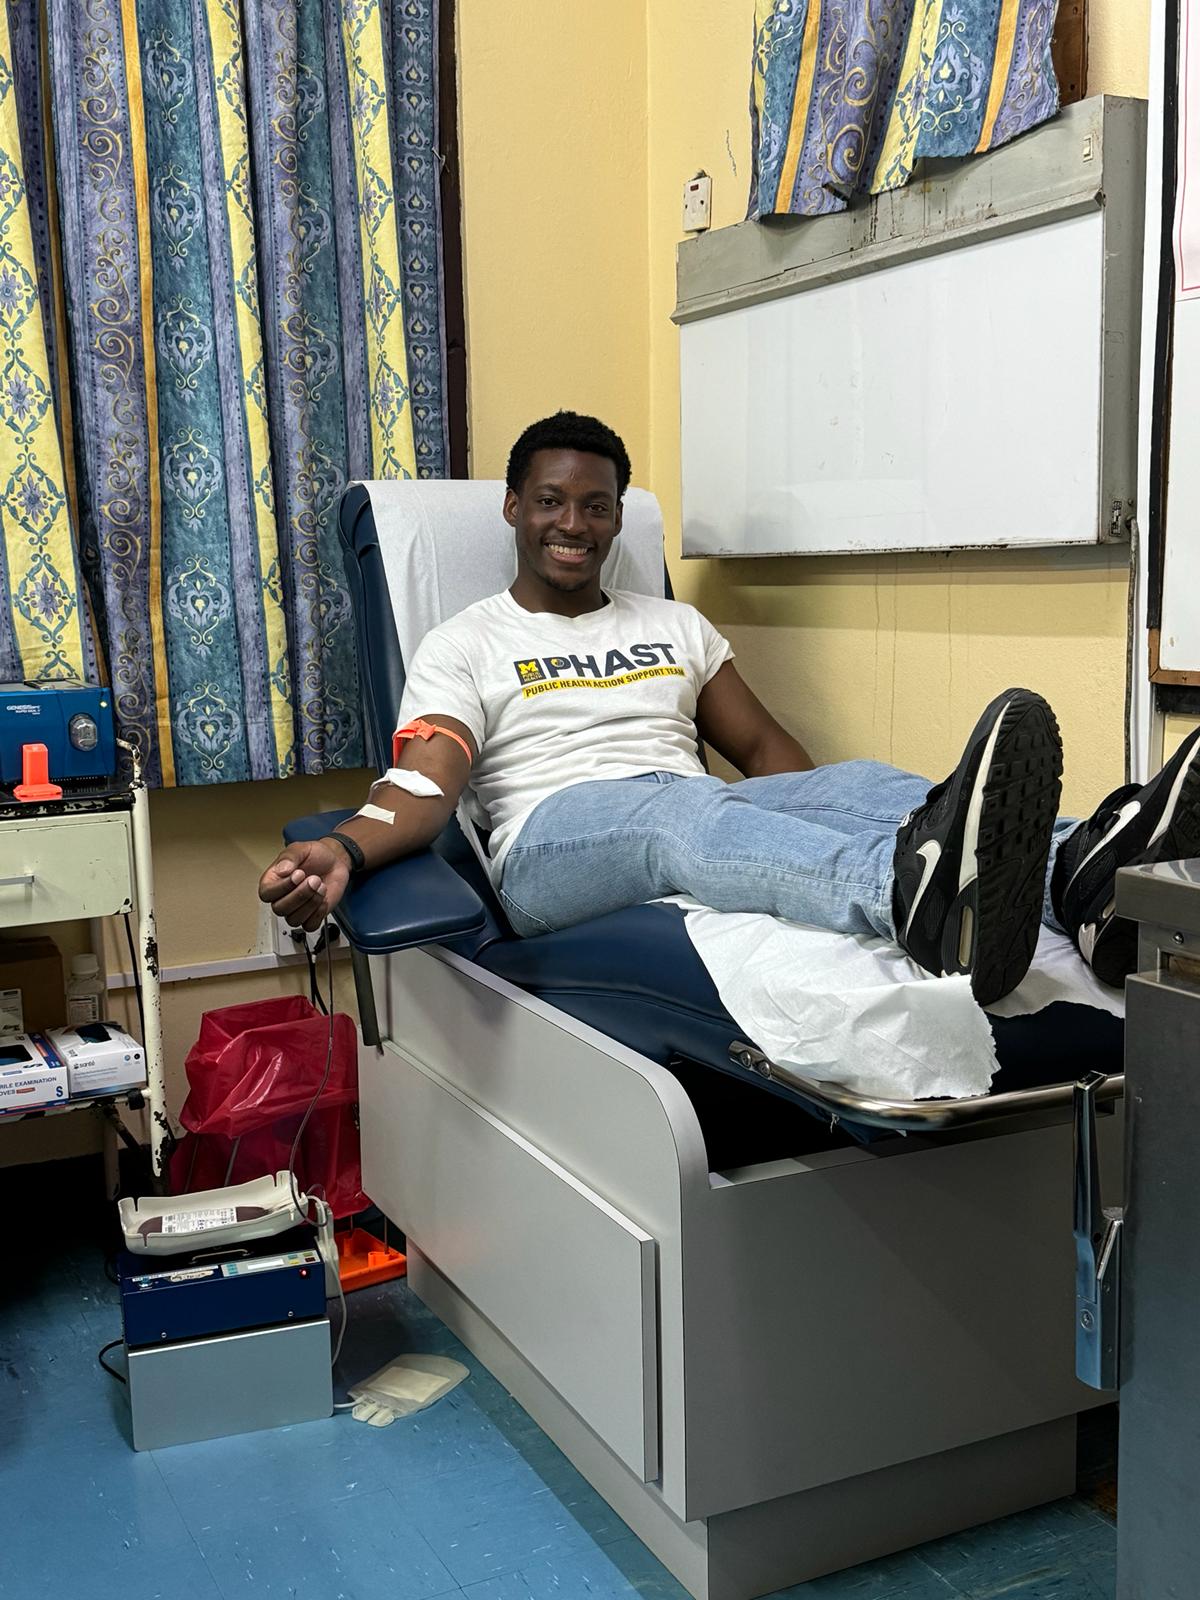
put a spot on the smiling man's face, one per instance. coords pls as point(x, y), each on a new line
point(566, 515)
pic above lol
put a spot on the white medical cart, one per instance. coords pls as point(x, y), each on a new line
point(85, 857)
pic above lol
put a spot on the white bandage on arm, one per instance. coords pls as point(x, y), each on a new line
point(415, 783)
point(375, 814)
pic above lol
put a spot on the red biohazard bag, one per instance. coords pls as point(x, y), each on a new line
point(252, 1075)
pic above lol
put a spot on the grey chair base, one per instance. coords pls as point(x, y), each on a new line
point(769, 1373)
point(757, 1549)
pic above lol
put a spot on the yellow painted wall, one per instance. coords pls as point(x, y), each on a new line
point(1118, 46)
point(553, 105)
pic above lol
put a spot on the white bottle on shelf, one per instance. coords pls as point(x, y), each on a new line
point(85, 991)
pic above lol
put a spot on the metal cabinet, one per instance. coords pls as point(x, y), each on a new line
point(1158, 1530)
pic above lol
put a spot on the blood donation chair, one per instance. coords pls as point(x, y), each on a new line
point(781, 1328)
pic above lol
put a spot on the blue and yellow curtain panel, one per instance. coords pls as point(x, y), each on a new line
point(220, 300)
point(848, 95)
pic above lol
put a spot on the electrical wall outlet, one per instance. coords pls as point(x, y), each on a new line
point(275, 938)
point(697, 203)
point(292, 941)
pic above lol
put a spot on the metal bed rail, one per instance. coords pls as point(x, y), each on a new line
point(920, 1116)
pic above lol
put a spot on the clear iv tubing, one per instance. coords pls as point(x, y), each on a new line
point(312, 1106)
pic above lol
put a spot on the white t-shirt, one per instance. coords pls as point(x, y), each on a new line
point(553, 701)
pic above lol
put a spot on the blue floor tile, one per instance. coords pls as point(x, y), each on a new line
point(357, 1549)
point(467, 1500)
point(266, 1473)
point(623, 1571)
point(900, 1577)
point(486, 1521)
point(589, 1509)
point(48, 1383)
point(1095, 1581)
point(1049, 1546)
point(119, 1534)
point(33, 1321)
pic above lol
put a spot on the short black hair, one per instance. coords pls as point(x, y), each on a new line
point(568, 430)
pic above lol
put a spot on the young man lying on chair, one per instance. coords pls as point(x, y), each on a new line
point(575, 716)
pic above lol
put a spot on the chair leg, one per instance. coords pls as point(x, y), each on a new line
point(360, 963)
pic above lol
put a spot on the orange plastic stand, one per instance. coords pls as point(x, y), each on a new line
point(35, 774)
point(364, 1260)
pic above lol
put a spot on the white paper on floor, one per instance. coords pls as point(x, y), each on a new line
point(858, 1012)
point(405, 1385)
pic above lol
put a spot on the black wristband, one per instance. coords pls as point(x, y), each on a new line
point(354, 850)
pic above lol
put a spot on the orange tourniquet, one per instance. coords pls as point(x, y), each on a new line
point(424, 730)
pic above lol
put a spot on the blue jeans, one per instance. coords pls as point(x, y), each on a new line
point(814, 847)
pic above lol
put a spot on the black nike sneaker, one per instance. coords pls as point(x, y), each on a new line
point(970, 863)
point(1136, 825)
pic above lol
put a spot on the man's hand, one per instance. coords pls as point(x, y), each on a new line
point(305, 881)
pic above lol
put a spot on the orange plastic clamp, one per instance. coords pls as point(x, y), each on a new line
point(424, 730)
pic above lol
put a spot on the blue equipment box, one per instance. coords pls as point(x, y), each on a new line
point(165, 1299)
point(73, 720)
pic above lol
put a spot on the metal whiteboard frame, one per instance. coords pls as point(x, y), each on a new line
point(1145, 721)
point(1092, 156)
point(1165, 392)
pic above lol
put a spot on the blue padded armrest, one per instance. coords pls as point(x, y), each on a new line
point(420, 900)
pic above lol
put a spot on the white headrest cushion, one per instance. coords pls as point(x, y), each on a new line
point(445, 544)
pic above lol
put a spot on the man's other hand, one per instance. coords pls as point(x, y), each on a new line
point(305, 881)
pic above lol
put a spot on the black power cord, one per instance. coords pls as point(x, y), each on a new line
point(314, 988)
point(112, 1371)
point(137, 976)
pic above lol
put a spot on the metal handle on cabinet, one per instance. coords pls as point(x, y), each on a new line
point(25, 879)
point(1098, 1235)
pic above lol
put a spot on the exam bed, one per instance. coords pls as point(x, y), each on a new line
point(781, 1327)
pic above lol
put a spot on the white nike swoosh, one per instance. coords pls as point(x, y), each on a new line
point(931, 854)
point(1091, 931)
point(1124, 816)
point(968, 866)
point(1165, 820)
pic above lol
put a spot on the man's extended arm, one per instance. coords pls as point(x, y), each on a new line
point(306, 881)
point(733, 720)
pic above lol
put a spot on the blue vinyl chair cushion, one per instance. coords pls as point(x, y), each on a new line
point(421, 900)
point(636, 976)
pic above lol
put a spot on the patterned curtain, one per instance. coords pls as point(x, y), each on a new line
point(44, 630)
point(230, 208)
point(848, 95)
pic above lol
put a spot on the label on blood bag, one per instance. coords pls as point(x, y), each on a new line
point(198, 1221)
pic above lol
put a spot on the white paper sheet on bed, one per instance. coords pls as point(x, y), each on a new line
point(858, 1012)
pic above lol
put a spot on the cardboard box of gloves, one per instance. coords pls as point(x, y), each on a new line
point(32, 996)
point(32, 1075)
point(100, 1058)
point(95, 1058)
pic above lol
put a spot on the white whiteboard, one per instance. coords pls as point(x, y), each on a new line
point(1179, 636)
point(946, 402)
